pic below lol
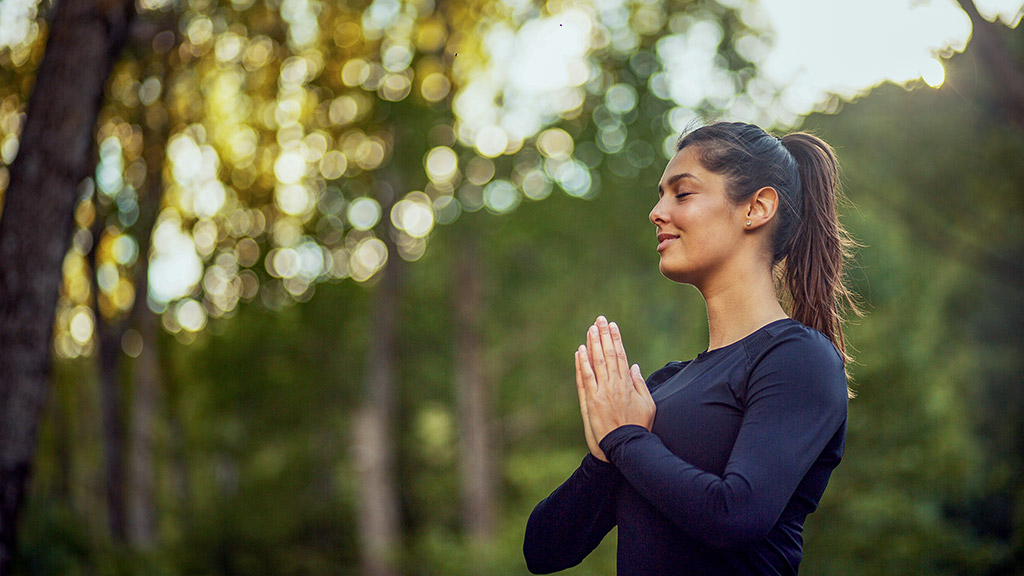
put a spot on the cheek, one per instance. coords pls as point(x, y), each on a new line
point(707, 238)
point(685, 216)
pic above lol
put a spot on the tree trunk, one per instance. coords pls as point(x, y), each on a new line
point(476, 457)
point(180, 481)
point(146, 394)
point(108, 334)
point(85, 38)
point(141, 509)
point(1005, 71)
point(379, 526)
point(142, 514)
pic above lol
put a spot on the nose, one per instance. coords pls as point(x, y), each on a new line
point(657, 215)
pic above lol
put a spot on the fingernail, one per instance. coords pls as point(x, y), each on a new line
point(614, 326)
point(593, 329)
point(601, 320)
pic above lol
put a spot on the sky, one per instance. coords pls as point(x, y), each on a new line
point(805, 51)
point(845, 48)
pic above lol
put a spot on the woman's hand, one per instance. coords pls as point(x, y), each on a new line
point(582, 391)
point(612, 394)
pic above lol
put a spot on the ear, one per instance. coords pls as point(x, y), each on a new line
point(761, 207)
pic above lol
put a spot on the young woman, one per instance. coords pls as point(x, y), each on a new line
point(712, 465)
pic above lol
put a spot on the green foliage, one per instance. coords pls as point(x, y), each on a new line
point(926, 485)
point(258, 407)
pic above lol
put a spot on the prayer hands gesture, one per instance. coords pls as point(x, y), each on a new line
point(612, 394)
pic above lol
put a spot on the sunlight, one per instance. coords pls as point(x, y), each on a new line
point(175, 267)
point(533, 75)
point(878, 41)
point(933, 73)
point(17, 21)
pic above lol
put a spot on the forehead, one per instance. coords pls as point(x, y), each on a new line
point(686, 161)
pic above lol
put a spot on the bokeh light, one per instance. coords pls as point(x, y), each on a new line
point(274, 139)
point(555, 143)
point(413, 215)
point(442, 164)
point(290, 167)
point(500, 196)
point(368, 257)
point(190, 315)
point(81, 324)
point(364, 213)
point(175, 267)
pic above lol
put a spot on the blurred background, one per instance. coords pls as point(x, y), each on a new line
point(318, 309)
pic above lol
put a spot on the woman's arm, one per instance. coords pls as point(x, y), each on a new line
point(796, 403)
point(567, 525)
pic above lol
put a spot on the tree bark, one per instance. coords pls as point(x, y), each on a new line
point(180, 480)
point(108, 334)
point(476, 455)
point(141, 509)
point(86, 37)
point(108, 354)
point(142, 519)
point(379, 525)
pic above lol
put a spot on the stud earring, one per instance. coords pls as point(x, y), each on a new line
point(748, 222)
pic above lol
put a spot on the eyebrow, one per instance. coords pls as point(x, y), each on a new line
point(676, 178)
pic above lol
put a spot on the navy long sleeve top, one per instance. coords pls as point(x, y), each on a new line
point(744, 440)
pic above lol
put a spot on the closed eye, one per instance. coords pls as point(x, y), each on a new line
point(682, 195)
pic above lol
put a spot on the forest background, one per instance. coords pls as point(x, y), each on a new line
point(325, 263)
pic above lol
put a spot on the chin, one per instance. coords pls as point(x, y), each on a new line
point(675, 274)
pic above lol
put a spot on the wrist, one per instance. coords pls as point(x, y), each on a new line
point(620, 436)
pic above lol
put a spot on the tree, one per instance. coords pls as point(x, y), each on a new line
point(935, 179)
point(274, 181)
point(998, 59)
point(54, 157)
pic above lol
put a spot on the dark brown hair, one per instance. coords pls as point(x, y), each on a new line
point(809, 246)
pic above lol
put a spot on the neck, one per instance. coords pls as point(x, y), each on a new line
point(739, 305)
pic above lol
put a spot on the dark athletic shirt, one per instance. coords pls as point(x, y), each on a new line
point(743, 443)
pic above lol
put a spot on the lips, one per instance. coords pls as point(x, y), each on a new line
point(664, 240)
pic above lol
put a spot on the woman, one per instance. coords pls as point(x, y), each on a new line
point(712, 465)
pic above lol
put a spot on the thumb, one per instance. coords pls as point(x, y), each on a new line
point(638, 381)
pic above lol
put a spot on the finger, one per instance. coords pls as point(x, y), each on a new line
point(608, 348)
point(587, 374)
point(620, 351)
point(595, 354)
point(580, 390)
point(639, 383)
point(588, 434)
point(576, 360)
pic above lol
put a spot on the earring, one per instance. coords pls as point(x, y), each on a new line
point(748, 222)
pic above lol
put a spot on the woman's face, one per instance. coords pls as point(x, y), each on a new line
point(698, 226)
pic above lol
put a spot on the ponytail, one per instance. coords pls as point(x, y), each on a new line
point(808, 243)
point(813, 267)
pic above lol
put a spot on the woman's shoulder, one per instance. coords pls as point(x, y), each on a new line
point(790, 337)
point(791, 351)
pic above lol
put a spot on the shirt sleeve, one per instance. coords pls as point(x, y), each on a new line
point(567, 525)
point(795, 404)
